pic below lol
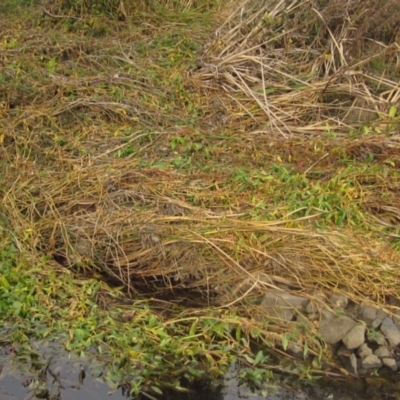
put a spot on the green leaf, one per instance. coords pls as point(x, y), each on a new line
point(51, 64)
point(152, 322)
point(259, 358)
point(284, 342)
point(238, 333)
point(157, 390)
point(249, 359)
point(392, 111)
point(192, 330)
point(195, 372)
point(4, 282)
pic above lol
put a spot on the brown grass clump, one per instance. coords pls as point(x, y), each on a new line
point(301, 67)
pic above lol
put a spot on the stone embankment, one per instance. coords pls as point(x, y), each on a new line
point(362, 337)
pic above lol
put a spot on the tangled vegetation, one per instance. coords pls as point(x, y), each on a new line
point(188, 156)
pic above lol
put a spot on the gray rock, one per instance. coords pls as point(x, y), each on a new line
point(348, 359)
point(295, 350)
point(312, 307)
point(355, 338)
point(380, 316)
point(392, 334)
point(315, 306)
point(339, 300)
point(396, 319)
point(377, 323)
point(336, 330)
point(367, 314)
point(344, 351)
point(364, 351)
point(302, 319)
point(383, 352)
point(352, 310)
point(283, 305)
point(353, 364)
point(284, 314)
point(326, 317)
point(376, 337)
point(314, 317)
point(370, 362)
point(390, 363)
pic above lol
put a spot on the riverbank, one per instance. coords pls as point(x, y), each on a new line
point(166, 169)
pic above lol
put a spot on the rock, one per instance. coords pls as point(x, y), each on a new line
point(336, 330)
point(353, 364)
point(326, 317)
point(343, 351)
point(377, 323)
point(380, 316)
point(338, 300)
point(314, 306)
point(390, 363)
point(302, 319)
point(392, 334)
point(371, 361)
point(355, 338)
point(367, 314)
point(383, 352)
point(284, 314)
point(314, 317)
point(364, 351)
point(376, 337)
point(283, 305)
point(295, 350)
point(348, 359)
point(352, 310)
point(396, 319)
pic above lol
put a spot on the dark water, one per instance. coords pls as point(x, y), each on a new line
point(55, 376)
point(62, 380)
point(11, 388)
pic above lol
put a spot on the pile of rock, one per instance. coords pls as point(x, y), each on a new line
point(363, 337)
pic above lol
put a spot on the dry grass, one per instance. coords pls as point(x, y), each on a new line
point(139, 228)
point(170, 217)
point(297, 67)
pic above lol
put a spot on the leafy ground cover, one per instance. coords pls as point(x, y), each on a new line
point(164, 164)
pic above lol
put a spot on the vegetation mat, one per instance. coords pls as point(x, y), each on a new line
point(201, 154)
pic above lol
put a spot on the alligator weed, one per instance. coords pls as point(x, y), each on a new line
point(165, 164)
